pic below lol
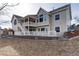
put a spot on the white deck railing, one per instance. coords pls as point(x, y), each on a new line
point(42, 33)
point(39, 33)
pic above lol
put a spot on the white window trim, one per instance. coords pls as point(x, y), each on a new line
point(59, 16)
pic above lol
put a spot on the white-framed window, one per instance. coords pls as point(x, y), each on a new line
point(38, 29)
point(57, 29)
point(45, 17)
point(40, 18)
point(42, 29)
point(26, 20)
point(46, 29)
point(15, 22)
point(57, 17)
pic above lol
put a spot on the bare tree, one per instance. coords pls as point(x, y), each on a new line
point(4, 10)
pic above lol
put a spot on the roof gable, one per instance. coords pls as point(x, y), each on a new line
point(18, 17)
point(41, 9)
point(60, 8)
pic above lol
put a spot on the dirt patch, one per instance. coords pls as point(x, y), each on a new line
point(25, 47)
point(7, 51)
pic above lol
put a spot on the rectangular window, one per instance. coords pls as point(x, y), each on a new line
point(45, 19)
point(37, 20)
point(41, 15)
point(46, 29)
point(26, 20)
point(41, 18)
point(32, 29)
point(57, 29)
point(15, 22)
point(42, 29)
point(38, 29)
point(33, 21)
point(57, 17)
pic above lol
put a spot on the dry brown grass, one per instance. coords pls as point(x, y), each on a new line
point(38, 47)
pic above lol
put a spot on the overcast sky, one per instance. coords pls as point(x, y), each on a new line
point(24, 9)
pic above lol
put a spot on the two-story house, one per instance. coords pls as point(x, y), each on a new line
point(52, 23)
